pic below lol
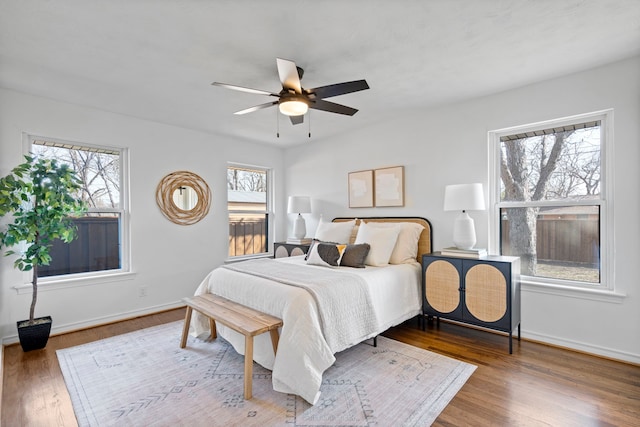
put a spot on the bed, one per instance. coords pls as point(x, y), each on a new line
point(359, 278)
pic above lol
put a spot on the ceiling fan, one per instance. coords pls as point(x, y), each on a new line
point(294, 101)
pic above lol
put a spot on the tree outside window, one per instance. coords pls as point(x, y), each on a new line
point(99, 243)
point(550, 201)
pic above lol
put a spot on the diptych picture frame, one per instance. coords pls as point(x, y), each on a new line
point(389, 186)
point(382, 187)
point(361, 189)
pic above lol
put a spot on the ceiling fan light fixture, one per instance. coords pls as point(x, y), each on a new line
point(293, 107)
point(294, 100)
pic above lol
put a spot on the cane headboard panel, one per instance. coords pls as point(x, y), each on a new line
point(424, 243)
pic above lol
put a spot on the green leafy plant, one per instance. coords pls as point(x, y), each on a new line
point(40, 194)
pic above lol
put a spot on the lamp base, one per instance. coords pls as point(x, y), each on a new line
point(464, 232)
point(299, 227)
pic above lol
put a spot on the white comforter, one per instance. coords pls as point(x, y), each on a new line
point(303, 352)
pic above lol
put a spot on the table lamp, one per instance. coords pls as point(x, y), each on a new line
point(464, 197)
point(299, 205)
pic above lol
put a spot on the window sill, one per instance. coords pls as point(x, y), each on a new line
point(574, 292)
point(72, 282)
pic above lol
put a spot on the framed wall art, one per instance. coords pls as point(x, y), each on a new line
point(361, 189)
point(389, 186)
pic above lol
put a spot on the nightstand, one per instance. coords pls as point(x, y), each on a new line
point(284, 249)
point(484, 292)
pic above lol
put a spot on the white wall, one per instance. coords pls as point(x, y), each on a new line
point(169, 259)
point(449, 145)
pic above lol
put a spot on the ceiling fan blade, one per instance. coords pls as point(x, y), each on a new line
point(256, 108)
point(332, 107)
point(288, 73)
point(244, 89)
point(296, 120)
point(338, 89)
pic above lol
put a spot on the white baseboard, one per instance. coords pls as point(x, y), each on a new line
point(563, 343)
point(70, 327)
point(582, 347)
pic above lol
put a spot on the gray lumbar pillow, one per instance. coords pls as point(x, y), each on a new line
point(355, 255)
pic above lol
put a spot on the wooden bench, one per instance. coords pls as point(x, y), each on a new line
point(242, 319)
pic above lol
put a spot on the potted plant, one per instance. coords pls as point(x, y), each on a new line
point(40, 194)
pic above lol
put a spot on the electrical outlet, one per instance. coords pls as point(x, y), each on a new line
point(142, 292)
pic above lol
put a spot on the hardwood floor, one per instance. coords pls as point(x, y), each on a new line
point(34, 393)
point(536, 386)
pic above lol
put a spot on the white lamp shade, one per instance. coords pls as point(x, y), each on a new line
point(299, 204)
point(464, 197)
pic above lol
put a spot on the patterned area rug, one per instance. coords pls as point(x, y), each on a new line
point(144, 378)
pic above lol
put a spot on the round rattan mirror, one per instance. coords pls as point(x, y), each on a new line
point(183, 197)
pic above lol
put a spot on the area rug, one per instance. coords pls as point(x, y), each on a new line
point(144, 378)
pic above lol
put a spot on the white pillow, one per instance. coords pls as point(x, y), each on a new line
point(406, 249)
point(336, 232)
point(382, 241)
point(354, 233)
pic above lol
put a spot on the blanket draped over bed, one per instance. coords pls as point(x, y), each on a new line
point(341, 298)
point(324, 311)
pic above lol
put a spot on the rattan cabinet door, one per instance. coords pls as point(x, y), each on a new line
point(280, 251)
point(486, 293)
point(442, 288)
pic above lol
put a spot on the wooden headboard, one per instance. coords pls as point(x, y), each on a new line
point(425, 242)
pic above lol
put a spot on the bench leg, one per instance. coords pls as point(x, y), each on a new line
point(212, 327)
point(248, 366)
point(185, 328)
point(275, 337)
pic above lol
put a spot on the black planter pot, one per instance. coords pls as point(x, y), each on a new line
point(34, 337)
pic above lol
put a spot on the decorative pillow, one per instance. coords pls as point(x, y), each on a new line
point(326, 254)
point(338, 232)
point(406, 249)
point(382, 241)
point(311, 245)
point(355, 255)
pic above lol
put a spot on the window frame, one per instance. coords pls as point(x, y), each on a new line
point(606, 286)
point(91, 277)
point(269, 198)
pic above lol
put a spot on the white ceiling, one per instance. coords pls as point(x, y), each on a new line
point(156, 59)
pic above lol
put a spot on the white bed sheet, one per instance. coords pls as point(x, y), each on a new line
point(303, 354)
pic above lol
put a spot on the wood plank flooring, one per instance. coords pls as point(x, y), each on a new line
point(536, 386)
point(34, 393)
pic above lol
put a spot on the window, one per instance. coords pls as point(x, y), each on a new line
point(248, 204)
point(99, 245)
point(548, 187)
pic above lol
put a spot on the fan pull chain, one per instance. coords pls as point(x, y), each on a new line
point(277, 124)
point(309, 123)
